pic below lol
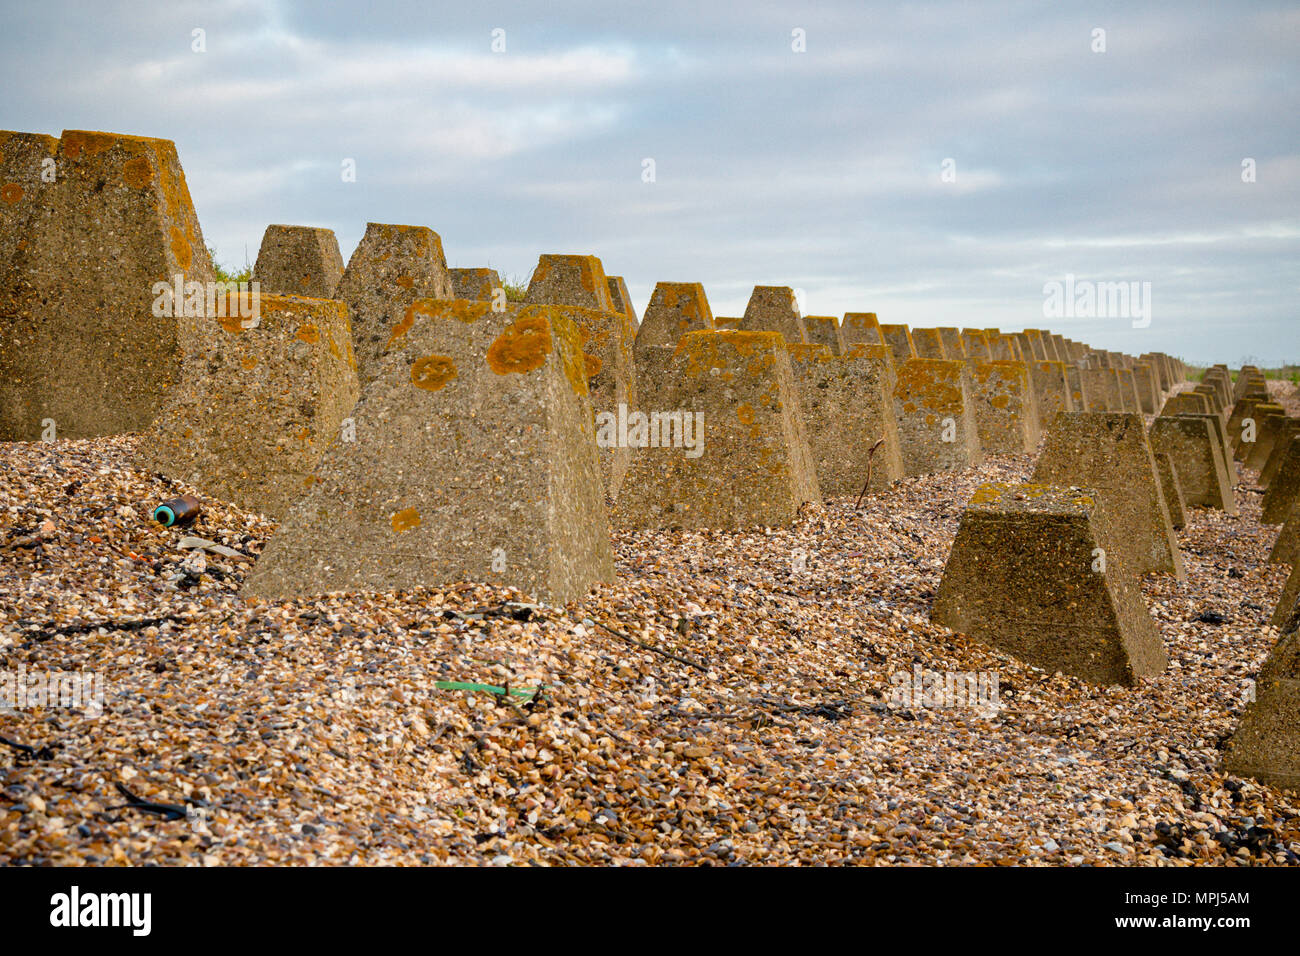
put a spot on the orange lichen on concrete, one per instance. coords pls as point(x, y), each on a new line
point(11, 192)
point(461, 310)
point(137, 173)
point(810, 352)
point(522, 347)
point(405, 520)
point(433, 372)
point(77, 141)
point(308, 333)
point(933, 383)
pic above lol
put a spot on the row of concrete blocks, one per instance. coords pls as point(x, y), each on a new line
point(471, 452)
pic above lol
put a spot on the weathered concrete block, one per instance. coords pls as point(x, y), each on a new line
point(24, 159)
point(937, 430)
point(299, 260)
point(724, 322)
point(773, 308)
point(606, 339)
point(622, 301)
point(474, 460)
point(847, 404)
point(1272, 427)
point(1005, 348)
point(1284, 490)
point(1110, 454)
point(929, 344)
point(861, 328)
point(1221, 379)
point(824, 330)
point(1221, 429)
point(1006, 413)
point(1062, 351)
point(89, 344)
point(1049, 346)
point(754, 467)
point(1185, 403)
point(1266, 744)
point(1078, 391)
point(1031, 344)
point(1251, 428)
point(1160, 369)
point(390, 268)
point(675, 308)
point(1147, 390)
point(1286, 549)
point(1212, 398)
point(899, 340)
point(1243, 376)
point(477, 285)
point(1051, 386)
point(1281, 446)
point(1172, 490)
point(1128, 391)
point(1096, 389)
point(976, 345)
point(1251, 384)
point(1024, 576)
point(954, 346)
point(1241, 410)
point(257, 406)
point(570, 280)
point(1193, 444)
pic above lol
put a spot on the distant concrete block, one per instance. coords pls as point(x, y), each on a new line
point(934, 408)
point(675, 308)
point(1110, 454)
point(899, 340)
point(1051, 386)
point(1147, 390)
point(390, 268)
point(976, 345)
point(622, 301)
point(1172, 490)
point(861, 328)
point(1193, 445)
point(774, 309)
point(299, 260)
point(754, 466)
point(847, 404)
point(1006, 413)
point(570, 280)
point(929, 344)
point(824, 330)
point(954, 345)
point(477, 285)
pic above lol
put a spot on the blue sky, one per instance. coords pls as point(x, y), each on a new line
point(819, 169)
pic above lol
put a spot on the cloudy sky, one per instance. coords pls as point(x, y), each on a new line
point(937, 163)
